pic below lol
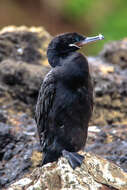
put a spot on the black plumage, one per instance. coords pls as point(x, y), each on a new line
point(65, 100)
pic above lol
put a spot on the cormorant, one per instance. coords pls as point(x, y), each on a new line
point(65, 100)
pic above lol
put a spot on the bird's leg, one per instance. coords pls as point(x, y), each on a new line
point(73, 158)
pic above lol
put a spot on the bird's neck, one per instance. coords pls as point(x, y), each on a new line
point(53, 58)
point(74, 71)
point(56, 58)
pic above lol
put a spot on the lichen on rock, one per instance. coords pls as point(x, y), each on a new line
point(95, 173)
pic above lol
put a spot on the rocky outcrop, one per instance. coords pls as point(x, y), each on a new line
point(94, 174)
point(116, 53)
point(23, 62)
point(23, 65)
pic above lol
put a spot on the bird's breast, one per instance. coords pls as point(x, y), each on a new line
point(72, 105)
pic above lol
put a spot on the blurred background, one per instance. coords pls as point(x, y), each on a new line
point(89, 17)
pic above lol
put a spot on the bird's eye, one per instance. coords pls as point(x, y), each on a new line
point(77, 39)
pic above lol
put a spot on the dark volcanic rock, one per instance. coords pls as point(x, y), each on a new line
point(5, 137)
point(23, 61)
point(116, 53)
point(23, 65)
point(3, 117)
point(110, 88)
point(21, 80)
point(109, 142)
point(17, 145)
point(24, 44)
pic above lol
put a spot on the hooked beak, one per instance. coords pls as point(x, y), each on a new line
point(88, 40)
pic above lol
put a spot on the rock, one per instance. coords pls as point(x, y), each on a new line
point(23, 65)
point(110, 88)
point(109, 142)
point(24, 44)
point(116, 53)
point(5, 137)
point(21, 80)
point(3, 117)
point(18, 144)
point(23, 62)
point(94, 174)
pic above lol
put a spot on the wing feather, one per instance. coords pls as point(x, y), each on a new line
point(44, 105)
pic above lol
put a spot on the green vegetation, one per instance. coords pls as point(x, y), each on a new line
point(108, 17)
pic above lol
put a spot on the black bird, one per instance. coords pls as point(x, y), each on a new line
point(65, 100)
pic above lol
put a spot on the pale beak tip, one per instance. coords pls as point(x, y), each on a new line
point(101, 37)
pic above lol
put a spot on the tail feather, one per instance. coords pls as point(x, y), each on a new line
point(49, 157)
point(51, 153)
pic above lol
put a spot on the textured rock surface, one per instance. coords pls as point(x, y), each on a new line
point(24, 44)
point(116, 53)
point(23, 62)
point(94, 174)
point(110, 142)
point(110, 87)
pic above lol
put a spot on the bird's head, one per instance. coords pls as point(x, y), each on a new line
point(66, 43)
